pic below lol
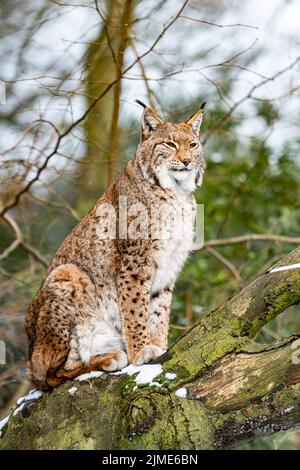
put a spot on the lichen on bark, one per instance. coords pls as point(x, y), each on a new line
point(235, 389)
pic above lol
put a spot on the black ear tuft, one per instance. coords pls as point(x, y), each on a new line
point(203, 105)
point(141, 104)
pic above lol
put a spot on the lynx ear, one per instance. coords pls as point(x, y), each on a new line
point(195, 121)
point(150, 120)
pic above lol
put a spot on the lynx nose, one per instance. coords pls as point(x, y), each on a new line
point(186, 161)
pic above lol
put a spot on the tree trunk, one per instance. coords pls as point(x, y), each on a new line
point(104, 64)
point(231, 389)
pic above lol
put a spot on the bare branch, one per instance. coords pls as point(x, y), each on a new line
point(114, 131)
point(28, 185)
point(107, 36)
point(255, 237)
point(247, 96)
point(226, 262)
point(210, 23)
point(19, 242)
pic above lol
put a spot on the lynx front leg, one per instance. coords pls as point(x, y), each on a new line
point(134, 300)
point(160, 308)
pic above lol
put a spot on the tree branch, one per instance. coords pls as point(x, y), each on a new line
point(250, 376)
point(114, 131)
point(226, 262)
point(25, 189)
point(225, 388)
point(19, 242)
point(247, 96)
point(252, 237)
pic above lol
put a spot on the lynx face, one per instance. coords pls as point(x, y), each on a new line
point(171, 154)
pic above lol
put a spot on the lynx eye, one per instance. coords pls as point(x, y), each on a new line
point(193, 145)
point(171, 144)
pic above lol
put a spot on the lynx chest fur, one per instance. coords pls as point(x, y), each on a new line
point(177, 237)
point(106, 298)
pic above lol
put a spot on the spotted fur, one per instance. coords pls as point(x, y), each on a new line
point(106, 301)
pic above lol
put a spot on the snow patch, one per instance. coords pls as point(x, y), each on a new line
point(170, 376)
point(20, 408)
point(146, 373)
point(285, 268)
point(157, 384)
point(90, 375)
point(3, 422)
point(72, 391)
point(32, 395)
point(181, 392)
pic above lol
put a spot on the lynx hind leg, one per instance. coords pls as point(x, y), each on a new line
point(87, 356)
point(66, 291)
point(51, 345)
point(109, 362)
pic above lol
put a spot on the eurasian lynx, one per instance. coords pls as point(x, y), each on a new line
point(106, 297)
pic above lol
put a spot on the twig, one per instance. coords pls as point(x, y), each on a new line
point(247, 96)
point(218, 25)
point(18, 237)
point(228, 264)
point(254, 237)
point(19, 242)
point(144, 75)
point(109, 43)
point(32, 251)
point(180, 327)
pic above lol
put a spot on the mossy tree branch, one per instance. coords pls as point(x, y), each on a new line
point(235, 389)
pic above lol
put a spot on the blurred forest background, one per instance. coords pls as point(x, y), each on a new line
point(72, 70)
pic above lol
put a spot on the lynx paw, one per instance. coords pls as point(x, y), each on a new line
point(115, 361)
point(146, 354)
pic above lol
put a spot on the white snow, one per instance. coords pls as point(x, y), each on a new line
point(170, 375)
point(20, 408)
point(32, 395)
point(157, 384)
point(3, 423)
point(90, 375)
point(146, 373)
point(72, 390)
point(285, 268)
point(181, 392)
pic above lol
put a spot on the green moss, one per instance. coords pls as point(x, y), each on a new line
point(163, 421)
point(62, 421)
point(209, 341)
point(66, 437)
point(278, 299)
